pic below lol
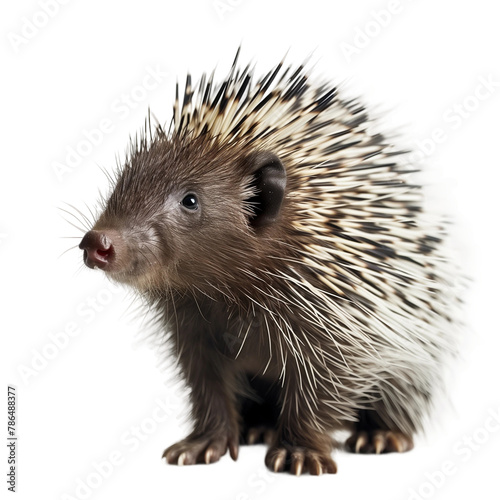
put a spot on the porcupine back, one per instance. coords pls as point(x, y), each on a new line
point(362, 301)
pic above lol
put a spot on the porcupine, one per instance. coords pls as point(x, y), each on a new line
point(299, 281)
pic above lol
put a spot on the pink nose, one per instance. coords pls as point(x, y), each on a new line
point(98, 249)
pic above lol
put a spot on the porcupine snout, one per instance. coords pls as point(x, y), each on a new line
point(100, 248)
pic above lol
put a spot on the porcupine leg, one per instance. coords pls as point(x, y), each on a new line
point(299, 446)
point(371, 435)
point(215, 422)
point(215, 428)
point(213, 400)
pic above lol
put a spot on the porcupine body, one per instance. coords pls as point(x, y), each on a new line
point(302, 286)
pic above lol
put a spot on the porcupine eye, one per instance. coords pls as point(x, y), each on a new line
point(190, 202)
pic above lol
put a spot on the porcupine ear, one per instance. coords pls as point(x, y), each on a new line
point(269, 181)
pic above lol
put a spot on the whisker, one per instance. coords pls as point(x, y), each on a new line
point(85, 218)
point(66, 251)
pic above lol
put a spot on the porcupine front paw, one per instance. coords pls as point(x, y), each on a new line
point(379, 441)
point(283, 457)
point(202, 449)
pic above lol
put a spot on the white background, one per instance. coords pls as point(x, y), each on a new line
point(65, 73)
